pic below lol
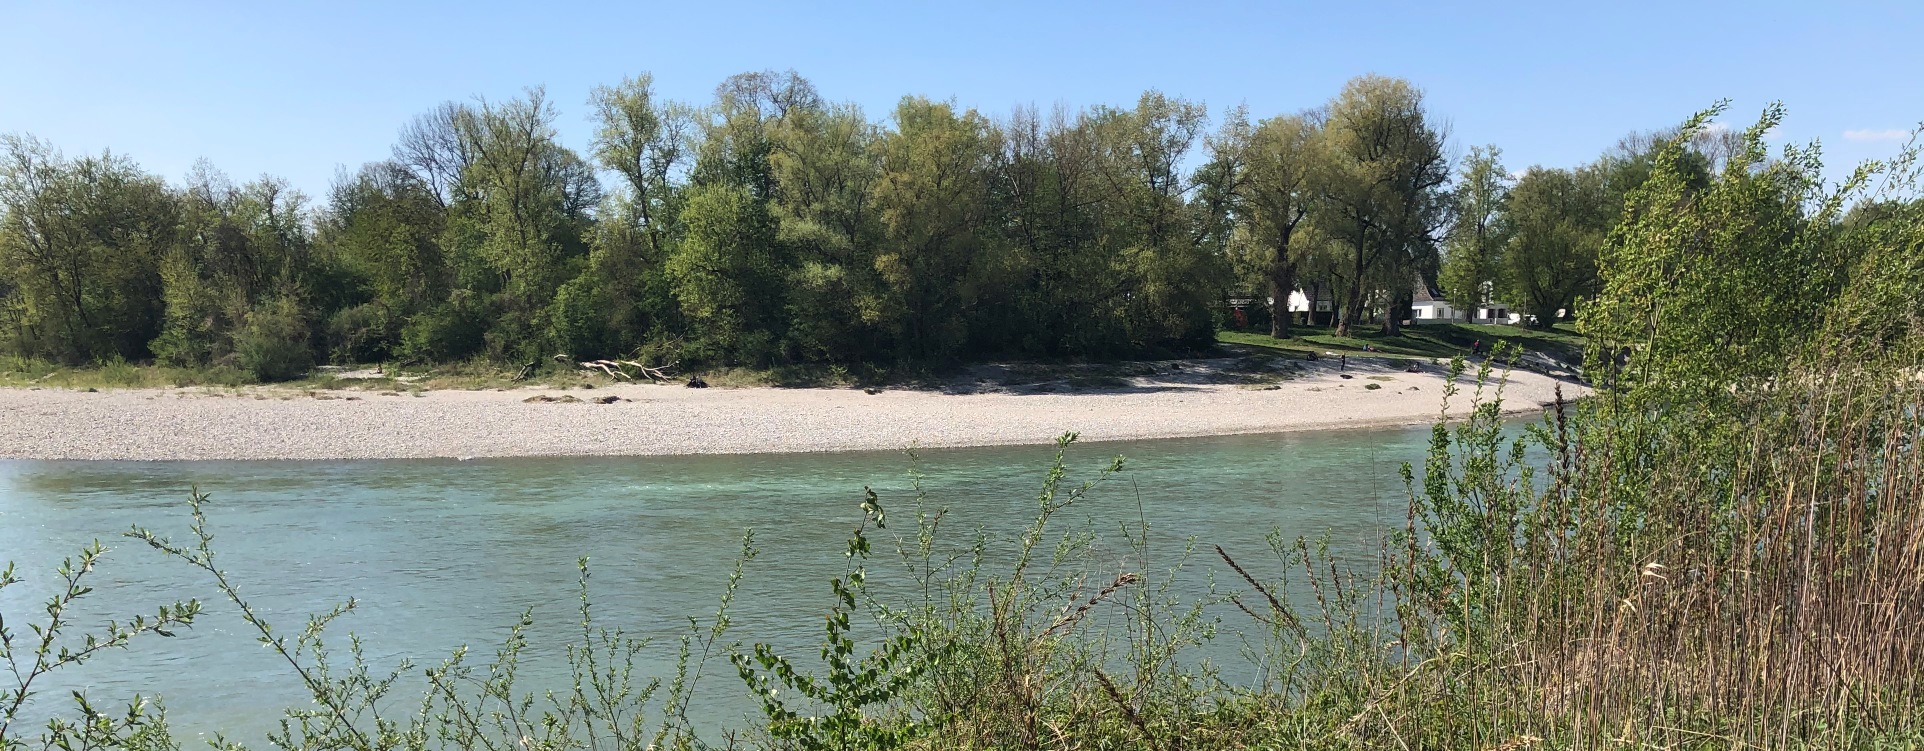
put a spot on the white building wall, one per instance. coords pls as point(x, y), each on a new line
point(1432, 312)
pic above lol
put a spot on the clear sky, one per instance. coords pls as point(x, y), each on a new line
point(299, 89)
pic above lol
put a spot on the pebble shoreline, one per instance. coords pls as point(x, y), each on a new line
point(653, 420)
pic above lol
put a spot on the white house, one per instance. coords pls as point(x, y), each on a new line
point(1430, 307)
point(1426, 306)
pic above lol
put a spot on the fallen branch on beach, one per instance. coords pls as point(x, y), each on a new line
point(617, 369)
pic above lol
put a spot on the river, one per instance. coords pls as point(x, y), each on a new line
point(445, 553)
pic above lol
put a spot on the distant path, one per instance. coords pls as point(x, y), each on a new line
point(269, 423)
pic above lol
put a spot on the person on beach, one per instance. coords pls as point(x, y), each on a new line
point(1476, 347)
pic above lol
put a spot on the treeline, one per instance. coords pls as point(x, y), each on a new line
point(772, 226)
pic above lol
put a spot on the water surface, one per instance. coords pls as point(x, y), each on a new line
point(442, 553)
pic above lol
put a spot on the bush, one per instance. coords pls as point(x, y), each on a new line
point(453, 331)
point(578, 320)
point(273, 345)
point(362, 333)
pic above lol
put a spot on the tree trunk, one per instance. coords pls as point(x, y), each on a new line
point(1282, 281)
point(1315, 293)
point(1353, 307)
point(1393, 316)
point(1352, 311)
point(1340, 312)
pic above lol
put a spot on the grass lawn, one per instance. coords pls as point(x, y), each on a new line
point(1422, 342)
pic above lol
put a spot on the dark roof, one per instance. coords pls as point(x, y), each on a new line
point(1421, 291)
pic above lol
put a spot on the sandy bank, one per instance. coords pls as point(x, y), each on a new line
point(265, 423)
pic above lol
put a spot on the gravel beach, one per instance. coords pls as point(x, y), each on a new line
point(271, 423)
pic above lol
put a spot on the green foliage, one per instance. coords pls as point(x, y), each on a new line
point(1714, 288)
point(80, 248)
point(726, 272)
point(448, 332)
point(385, 227)
point(191, 334)
point(853, 686)
point(934, 210)
point(645, 142)
point(1385, 200)
point(576, 317)
point(1699, 556)
point(1881, 243)
point(1276, 172)
point(1557, 220)
point(50, 646)
point(1721, 509)
point(1543, 593)
point(1473, 262)
point(528, 198)
point(273, 345)
point(363, 333)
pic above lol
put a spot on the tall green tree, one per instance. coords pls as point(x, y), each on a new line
point(934, 209)
point(524, 215)
point(1736, 268)
point(623, 299)
point(826, 163)
point(1558, 220)
point(1056, 293)
point(81, 243)
point(240, 247)
point(1280, 160)
point(1168, 283)
point(646, 142)
point(727, 274)
point(1473, 262)
point(1386, 193)
point(384, 225)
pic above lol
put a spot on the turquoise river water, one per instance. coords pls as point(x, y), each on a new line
point(446, 553)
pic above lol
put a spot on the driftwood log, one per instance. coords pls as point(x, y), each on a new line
point(619, 369)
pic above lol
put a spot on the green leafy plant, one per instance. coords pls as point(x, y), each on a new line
point(853, 687)
point(273, 346)
point(50, 645)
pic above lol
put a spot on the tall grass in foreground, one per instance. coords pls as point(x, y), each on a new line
point(1751, 584)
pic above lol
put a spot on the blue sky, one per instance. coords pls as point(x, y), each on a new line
point(298, 89)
